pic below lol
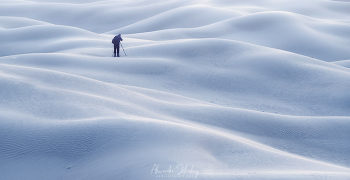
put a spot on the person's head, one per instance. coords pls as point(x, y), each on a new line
point(119, 35)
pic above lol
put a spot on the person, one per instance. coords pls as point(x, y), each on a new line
point(116, 41)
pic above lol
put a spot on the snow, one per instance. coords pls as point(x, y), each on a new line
point(220, 89)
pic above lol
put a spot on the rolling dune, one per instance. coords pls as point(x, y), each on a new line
point(220, 89)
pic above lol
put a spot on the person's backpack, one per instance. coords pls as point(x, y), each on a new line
point(114, 41)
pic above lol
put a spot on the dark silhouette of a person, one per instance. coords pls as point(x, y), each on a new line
point(116, 41)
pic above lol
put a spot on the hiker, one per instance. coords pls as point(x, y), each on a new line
point(116, 41)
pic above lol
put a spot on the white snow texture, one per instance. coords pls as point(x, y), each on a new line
point(209, 89)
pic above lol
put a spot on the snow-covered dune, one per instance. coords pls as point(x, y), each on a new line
point(345, 63)
point(217, 89)
point(325, 40)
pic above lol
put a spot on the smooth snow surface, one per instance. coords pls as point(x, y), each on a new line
point(220, 89)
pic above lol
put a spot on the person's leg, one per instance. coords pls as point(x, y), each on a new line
point(118, 50)
point(115, 47)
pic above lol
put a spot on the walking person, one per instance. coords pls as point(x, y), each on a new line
point(116, 41)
